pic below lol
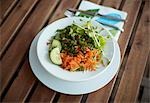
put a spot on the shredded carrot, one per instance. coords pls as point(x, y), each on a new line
point(87, 61)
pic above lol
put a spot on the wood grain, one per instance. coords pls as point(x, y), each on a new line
point(0, 13)
point(132, 8)
point(127, 50)
point(6, 6)
point(135, 66)
point(96, 1)
point(21, 86)
point(25, 82)
point(59, 13)
point(146, 82)
point(22, 42)
point(102, 95)
point(69, 98)
point(14, 21)
point(42, 94)
point(113, 3)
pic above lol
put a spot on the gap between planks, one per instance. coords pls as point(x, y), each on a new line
point(24, 39)
point(135, 66)
point(145, 85)
point(14, 22)
point(126, 55)
point(6, 7)
point(129, 6)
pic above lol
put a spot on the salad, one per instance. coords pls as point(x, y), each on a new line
point(78, 48)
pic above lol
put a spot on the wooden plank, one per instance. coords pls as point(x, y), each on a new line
point(0, 13)
point(146, 83)
point(6, 6)
point(22, 42)
point(147, 70)
point(21, 86)
point(113, 3)
point(132, 8)
point(96, 1)
point(101, 95)
point(69, 99)
point(135, 66)
point(44, 96)
point(146, 77)
point(14, 21)
point(62, 7)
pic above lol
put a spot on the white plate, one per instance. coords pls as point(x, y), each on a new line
point(43, 56)
point(74, 88)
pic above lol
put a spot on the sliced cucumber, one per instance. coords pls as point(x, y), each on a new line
point(56, 43)
point(55, 56)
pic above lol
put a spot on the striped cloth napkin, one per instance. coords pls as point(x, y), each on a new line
point(89, 6)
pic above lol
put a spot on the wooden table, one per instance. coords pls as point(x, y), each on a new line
point(21, 20)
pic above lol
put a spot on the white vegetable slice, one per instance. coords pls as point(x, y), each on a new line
point(56, 43)
point(55, 56)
